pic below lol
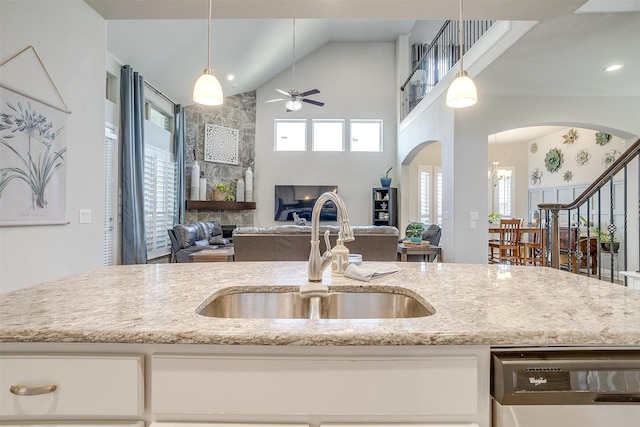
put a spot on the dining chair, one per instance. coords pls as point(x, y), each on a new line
point(532, 250)
point(508, 244)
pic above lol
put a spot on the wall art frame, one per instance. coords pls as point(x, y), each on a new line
point(220, 144)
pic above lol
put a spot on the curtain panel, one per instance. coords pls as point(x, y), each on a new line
point(134, 247)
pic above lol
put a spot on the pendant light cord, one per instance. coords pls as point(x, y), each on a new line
point(209, 39)
point(461, 33)
point(294, 55)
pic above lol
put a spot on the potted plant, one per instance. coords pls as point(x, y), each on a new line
point(604, 238)
point(494, 218)
point(414, 232)
point(220, 191)
point(385, 179)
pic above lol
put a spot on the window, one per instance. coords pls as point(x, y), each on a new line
point(503, 200)
point(159, 200)
point(157, 116)
point(366, 135)
point(328, 135)
point(430, 194)
point(291, 135)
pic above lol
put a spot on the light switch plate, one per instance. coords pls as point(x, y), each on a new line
point(473, 216)
point(85, 216)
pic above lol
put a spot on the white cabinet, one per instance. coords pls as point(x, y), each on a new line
point(89, 424)
point(444, 386)
point(49, 386)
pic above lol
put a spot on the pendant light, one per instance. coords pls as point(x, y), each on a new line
point(462, 92)
point(207, 89)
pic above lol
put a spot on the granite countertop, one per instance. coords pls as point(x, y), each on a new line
point(475, 304)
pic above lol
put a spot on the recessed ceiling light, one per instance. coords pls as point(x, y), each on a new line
point(231, 77)
point(613, 67)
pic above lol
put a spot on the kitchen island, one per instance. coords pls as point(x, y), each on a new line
point(136, 329)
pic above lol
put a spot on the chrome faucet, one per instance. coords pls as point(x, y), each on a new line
point(318, 263)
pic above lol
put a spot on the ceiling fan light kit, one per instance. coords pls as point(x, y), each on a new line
point(462, 92)
point(207, 90)
point(293, 97)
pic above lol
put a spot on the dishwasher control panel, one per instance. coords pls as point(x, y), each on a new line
point(566, 377)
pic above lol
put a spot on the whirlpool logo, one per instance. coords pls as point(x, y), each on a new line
point(537, 381)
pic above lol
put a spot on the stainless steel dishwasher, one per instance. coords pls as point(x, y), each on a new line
point(565, 388)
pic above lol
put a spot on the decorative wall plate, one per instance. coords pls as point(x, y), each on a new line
point(536, 177)
point(582, 158)
point(553, 160)
point(610, 157)
point(220, 144)
point(534, 147)
point(602, 138)
point(570, 137)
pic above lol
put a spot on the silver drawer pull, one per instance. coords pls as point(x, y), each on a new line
point(20, 390)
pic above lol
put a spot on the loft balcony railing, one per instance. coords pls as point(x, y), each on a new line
point(432, 61)
point(591, 235)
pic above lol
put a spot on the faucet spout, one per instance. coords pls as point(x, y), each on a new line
point(318, 263)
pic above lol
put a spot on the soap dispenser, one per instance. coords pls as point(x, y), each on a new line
point(339, 258)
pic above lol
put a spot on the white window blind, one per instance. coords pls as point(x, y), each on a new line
point(430, 194)
point(109, 187)
point(504, 192)
point(424, 183)
point(438, 185)
point(159, 200)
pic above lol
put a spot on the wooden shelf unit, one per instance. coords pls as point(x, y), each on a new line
point(213, 205)
point(385, 202)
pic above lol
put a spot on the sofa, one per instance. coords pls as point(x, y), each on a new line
point(292, 242)
point(187, 239)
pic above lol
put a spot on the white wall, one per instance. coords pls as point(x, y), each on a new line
point(70, 39)
point(356, 81)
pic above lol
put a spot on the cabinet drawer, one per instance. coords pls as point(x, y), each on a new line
point(260, 385)
point(84, 385)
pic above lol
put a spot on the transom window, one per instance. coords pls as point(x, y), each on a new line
point(290, 135)
point(366, 135)
point(328, 135)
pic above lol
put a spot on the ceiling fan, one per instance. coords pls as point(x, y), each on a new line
point(295, 98)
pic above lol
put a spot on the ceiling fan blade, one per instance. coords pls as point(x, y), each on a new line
point(311, 101)
point(275, 100)
point(283, 92)
point(310, 92)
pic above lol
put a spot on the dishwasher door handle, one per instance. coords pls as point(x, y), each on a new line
point(617, 398)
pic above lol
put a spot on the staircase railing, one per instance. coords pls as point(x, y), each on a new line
point(437, 59)
point(595, 226)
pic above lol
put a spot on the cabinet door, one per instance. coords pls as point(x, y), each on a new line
point(402, 425)
point(386, 386)
point(84, 385)
point(82, 424)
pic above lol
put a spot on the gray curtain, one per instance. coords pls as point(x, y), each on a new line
point(178, 153)
point(134, 247)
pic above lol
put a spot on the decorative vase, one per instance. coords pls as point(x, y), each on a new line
point(385, 182)
point(219, 195)
point(417, 239)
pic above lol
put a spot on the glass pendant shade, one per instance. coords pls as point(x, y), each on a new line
point(207, 90)
point(293, 105)
point(462, 92)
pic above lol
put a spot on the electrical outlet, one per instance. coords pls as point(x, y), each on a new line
point(85, 216)
point(473, 216)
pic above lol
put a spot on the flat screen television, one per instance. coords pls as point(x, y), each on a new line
point(300, 199)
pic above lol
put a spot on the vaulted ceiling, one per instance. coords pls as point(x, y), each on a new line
point(252, 39)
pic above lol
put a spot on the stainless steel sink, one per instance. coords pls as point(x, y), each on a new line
point(337, 305)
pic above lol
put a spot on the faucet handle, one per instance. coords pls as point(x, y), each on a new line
point(327, 242)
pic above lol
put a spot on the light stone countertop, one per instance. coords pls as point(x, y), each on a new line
point(475, 304)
